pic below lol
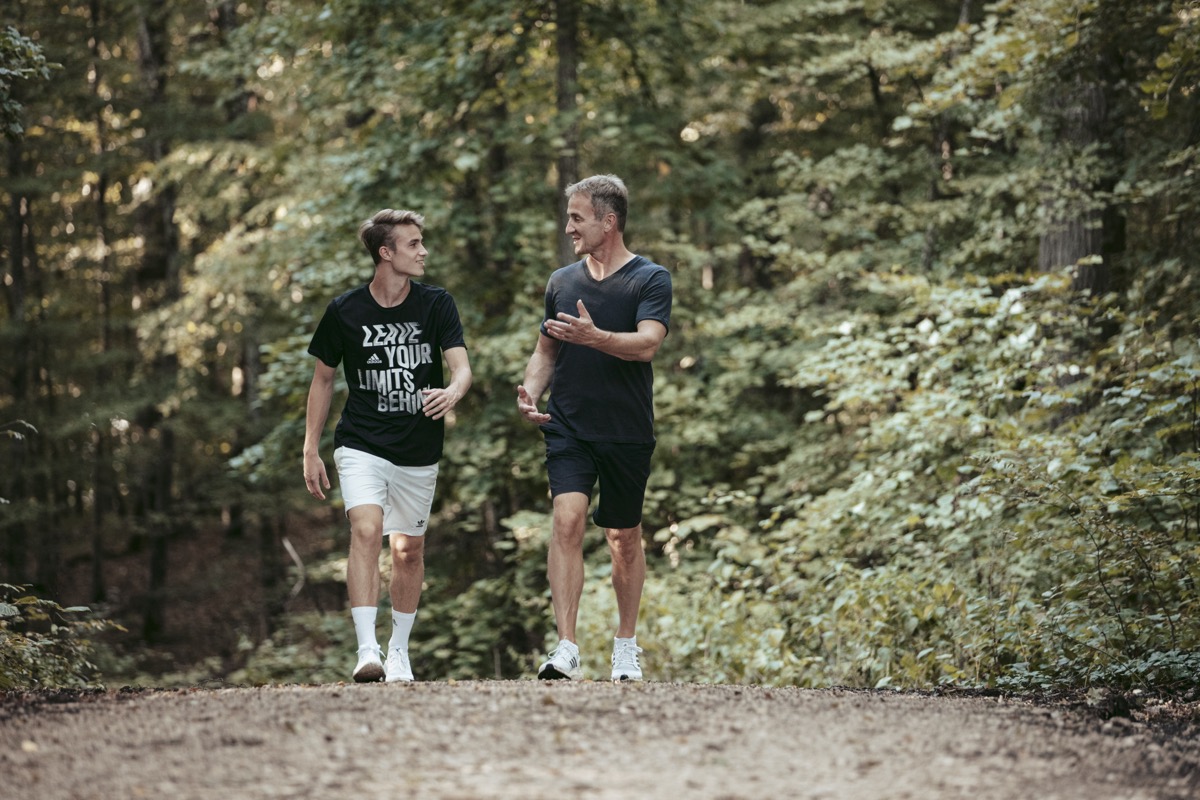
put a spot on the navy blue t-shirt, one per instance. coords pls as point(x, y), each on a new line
point(594, 396)
point(391, 354)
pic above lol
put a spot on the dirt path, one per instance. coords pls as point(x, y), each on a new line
point(586, 740)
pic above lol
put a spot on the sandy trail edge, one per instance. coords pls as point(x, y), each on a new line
point(524, 739)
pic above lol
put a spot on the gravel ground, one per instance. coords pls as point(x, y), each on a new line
point(525, 739)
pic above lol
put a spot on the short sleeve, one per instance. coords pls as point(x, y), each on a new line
point(326, 343)
point(655, 300)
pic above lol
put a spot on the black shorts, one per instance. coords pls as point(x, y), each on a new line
point(622, 469)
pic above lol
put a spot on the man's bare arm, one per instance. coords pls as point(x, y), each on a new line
point(320, 395)
point(639, 345)
point(538, 374)
point(439, 402)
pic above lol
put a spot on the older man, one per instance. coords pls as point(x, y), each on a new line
point(606, 316)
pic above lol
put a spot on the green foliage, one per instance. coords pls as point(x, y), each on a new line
point(21, 59)
point(313, 648)
point(1107, 506)
point(1006, 515)
point(1118, 611)
point(461, 636)
point(890, 450)
point(46, 646)
point(1177, 67)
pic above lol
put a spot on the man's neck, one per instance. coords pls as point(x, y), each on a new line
point(607, 261)
point(389, 290)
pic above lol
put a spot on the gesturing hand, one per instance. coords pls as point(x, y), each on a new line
point(528, 407)
point(576, 330)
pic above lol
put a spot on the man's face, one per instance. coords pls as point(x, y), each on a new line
point(584, 228)
point(407, 251)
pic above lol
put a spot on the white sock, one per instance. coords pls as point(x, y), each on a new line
point(632, 640)
point(402, 625)
point(364, 625)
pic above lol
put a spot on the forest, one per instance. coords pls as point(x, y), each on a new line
point(928, 414)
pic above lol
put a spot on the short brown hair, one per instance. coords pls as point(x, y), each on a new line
point(377, 231)
point(608, 193)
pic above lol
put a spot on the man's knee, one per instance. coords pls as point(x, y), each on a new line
point(569, 532)
point(407, 551)
point(366, 534)
point(366, 524)
point(570, 517)
point(625, 542)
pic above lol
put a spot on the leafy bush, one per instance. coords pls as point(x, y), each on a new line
point(494, 628)
point(42, 646)
point(999, 488)
point(310, 648)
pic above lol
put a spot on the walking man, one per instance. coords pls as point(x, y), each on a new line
point(606, 316)
point(392, 335)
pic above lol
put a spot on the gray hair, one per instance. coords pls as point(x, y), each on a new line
point(608, 194)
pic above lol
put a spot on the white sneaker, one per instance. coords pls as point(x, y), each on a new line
point(625, 666)
point(398, 668)
point(369, 668)
point(562, 663)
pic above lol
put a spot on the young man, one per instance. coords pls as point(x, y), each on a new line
point(606, 316)
point(392, 335)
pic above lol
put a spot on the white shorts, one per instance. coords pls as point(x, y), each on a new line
point(404, 493)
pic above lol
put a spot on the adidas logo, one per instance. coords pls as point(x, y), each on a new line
point(420, 523)
point(374, 359)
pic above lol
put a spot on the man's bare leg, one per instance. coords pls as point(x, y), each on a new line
point(564, 561)
point(564, 567)
point(408, 575)
point(362, 566)
point(408, 572)
point(362, 583)
point(628, 579)
point(628, 575)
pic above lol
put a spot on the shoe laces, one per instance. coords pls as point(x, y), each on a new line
point(400, 654)
point(565, 651)
point(625, 655)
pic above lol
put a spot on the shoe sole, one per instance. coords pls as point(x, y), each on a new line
point(549, 673)
point(625, 679)
point(369, 674)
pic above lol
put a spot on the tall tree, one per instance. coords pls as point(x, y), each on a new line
point(566, 39)
point(22, 63)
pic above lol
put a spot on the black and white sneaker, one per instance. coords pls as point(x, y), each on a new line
point(625, 666)
point(563, 663)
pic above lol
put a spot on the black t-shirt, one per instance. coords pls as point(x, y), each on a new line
point(391, 354)
point(594, 396)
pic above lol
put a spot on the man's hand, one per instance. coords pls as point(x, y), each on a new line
point(576, 330)
point(439, 402)
point(315, 477)
point(528, 407)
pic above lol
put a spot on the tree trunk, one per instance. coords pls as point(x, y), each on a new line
point(48, 491)
point(15, 291)
point(101, 464)
point(942, 153)
point(101, 487)
point(160, 263)
point(567, 43)
point(1074, 235)
point(271, 571)
point(160, 487)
